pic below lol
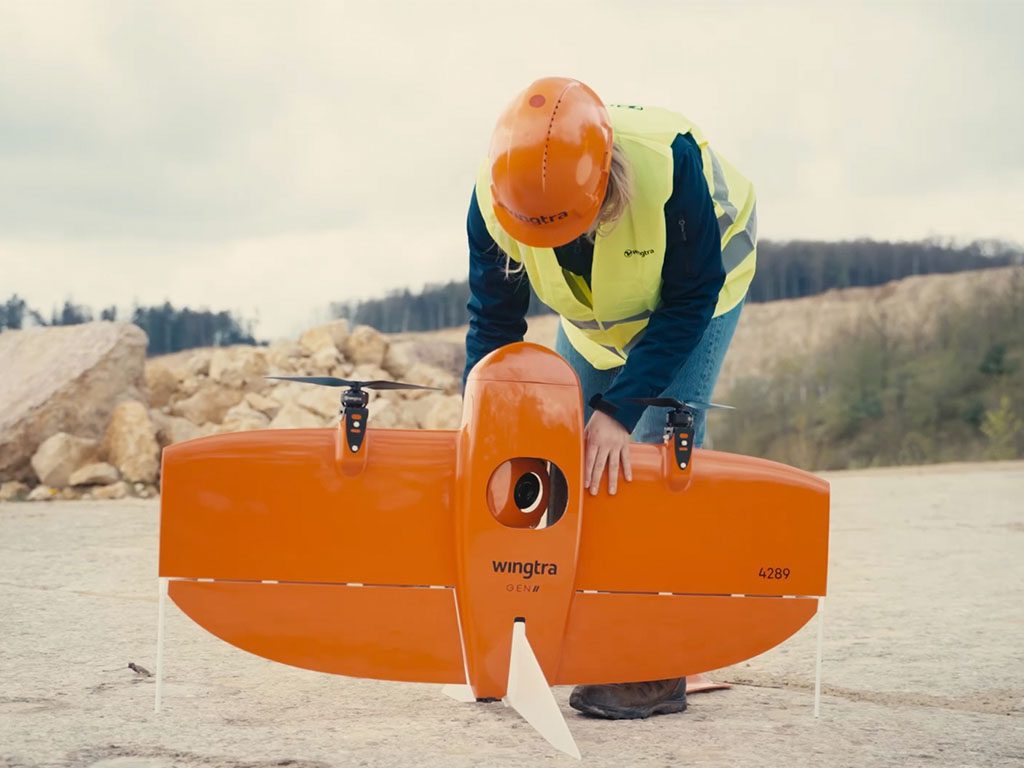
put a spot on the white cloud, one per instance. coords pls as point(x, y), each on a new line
point(254, 156)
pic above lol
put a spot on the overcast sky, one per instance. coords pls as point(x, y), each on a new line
point(273, 157)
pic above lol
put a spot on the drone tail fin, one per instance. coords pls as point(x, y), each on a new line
point(530, 695)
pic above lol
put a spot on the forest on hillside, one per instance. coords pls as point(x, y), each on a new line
point(893, 395)
point(785, 270)
point(169, 328)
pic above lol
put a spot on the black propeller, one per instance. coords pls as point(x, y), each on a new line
point(671, 402)
point(331, 381)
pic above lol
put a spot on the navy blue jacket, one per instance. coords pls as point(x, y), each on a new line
point(692, 276)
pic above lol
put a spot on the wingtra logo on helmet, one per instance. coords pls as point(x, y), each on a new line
point(546, 219)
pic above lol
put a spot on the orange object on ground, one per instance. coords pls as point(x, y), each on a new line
point(392, 563)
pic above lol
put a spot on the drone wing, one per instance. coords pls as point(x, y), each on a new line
point(726, 568)
point(272, 546)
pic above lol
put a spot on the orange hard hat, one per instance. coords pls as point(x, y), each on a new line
point(550, 156)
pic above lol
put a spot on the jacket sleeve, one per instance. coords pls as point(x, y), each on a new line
point(497, 302)
point(692, 277)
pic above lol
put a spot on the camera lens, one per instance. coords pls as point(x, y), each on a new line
point(527, 490)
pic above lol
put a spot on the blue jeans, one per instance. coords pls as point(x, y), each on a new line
point(694, 381)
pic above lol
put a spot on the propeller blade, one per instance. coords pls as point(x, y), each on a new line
point(323, 381)
point(332, 381)
point(671, 402)
point(381, 384)
point(701, 406)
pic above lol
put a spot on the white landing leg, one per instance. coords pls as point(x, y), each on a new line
point(817, 660)
point(461, 693)
point(530, 695)
point(161, 605)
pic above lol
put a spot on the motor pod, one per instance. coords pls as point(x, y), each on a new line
point(518, 492)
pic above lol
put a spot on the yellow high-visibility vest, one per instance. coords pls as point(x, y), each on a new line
point(604, 320)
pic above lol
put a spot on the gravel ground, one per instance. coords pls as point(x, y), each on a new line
point(923, 662)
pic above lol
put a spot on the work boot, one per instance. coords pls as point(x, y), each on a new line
point(628, 701)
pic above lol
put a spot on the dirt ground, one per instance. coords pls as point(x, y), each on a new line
point(923, 660)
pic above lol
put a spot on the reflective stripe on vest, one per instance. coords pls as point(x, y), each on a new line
point(606, 320)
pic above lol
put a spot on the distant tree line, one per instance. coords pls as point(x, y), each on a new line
point(169, 328)
point(789, 270)
point(785, 270)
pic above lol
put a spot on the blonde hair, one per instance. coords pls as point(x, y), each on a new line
point(617, 197)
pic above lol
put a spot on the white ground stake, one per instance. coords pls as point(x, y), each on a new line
point(530, 695)
point(817, 660)
point(161, 603)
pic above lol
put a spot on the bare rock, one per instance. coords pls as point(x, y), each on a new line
point(42, 493)
point(445, 354)
point(97, 473)
point(400, 358)
point(293, 416)
point(69, 494)
point(265, 405)
point(145, 491)
point(209, 403)
point(445, 414)
point(323, 401)
point(239, 367)
point(67, 378)
point(418, 408)
point(116, 490)
point(316, 339)
point(59, 456)
point(174, 429)
point(431, 376)
point(244, 417)
point(284, 357)
point(161, 382)
point(333, 334)
point(130, 443)
point(366, 345)
point(13, 490)
point(199, 362)
point(343, 370)
point(368, 372)
point(188, 387)
point(323, 360)
point(388, 414)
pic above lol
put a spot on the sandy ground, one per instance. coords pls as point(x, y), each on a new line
point(923, 663)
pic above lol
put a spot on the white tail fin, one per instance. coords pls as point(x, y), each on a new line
point(529, 695)
point(461, 693)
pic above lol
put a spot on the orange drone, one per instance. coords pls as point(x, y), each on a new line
point(474, 557)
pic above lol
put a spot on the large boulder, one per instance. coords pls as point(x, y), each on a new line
point(208, 404)
point(403, 354)
point(59, 456)
point(13, 490)
point(116, 490)
point(243, 417)
point(67, 379)
point(284, 357)
point(388, 414)
point(239, 367)
point(365, 345)
point(265, 405)
point(431, 376)
point(130, 443)
point(161, 382)
point(175, 429)
point(98, 473)
point(446, 413)
point(293, 416)
point(333, 335)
